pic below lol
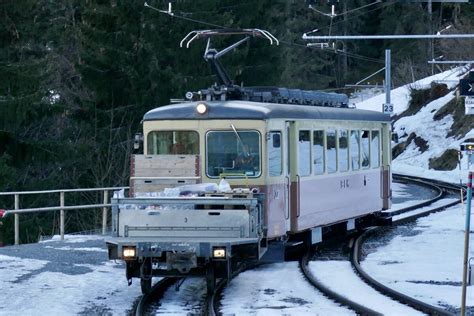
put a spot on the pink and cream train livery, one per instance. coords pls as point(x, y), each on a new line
point(225, 181)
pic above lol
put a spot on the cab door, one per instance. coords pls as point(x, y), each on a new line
point(386, 176)
point(278, 181)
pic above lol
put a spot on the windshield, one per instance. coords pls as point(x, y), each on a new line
point(233, 153)
point(173, 143)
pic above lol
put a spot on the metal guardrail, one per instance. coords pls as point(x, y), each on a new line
point(62, 208)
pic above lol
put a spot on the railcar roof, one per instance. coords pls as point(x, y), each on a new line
point(246, 110)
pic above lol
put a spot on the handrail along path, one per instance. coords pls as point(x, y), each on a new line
point(62, 208)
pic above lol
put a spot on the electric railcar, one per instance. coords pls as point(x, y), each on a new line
point(296, 173)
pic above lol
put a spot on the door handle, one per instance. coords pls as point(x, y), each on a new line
point(297, 196)
point(287, 197)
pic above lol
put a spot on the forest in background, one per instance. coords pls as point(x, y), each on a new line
point(78, 75)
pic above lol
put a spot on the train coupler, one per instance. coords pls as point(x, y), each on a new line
point(181, 261)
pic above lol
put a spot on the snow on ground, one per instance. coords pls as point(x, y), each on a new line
point(276, 289)
point(339, 276)
point(74, 276)
point(67, 277)
point(426, 261)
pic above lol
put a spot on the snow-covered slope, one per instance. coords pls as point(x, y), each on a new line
point(400, 97)
point(435, 132)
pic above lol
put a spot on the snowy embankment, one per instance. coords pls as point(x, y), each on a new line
point(412, 161)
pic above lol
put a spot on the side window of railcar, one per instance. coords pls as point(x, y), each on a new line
point(173, 143)
point(318, 152)
point(331, 150)
point(365, 149)
point(343, 150)
point(275, 154)
point(375, 149)
point(235, 153)
point(355, 150)
point(304, 153)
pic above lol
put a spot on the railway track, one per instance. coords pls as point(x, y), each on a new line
point(400, 297)
point(213, 300)
point(211, 303)
point(440, 189)
point(404, 215)
point(339, 298)
point(157, 291)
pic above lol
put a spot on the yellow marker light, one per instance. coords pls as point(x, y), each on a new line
point(129, 252)
point(218, 252)
point(201, 108)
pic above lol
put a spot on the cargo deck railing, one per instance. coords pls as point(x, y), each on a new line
point(62, 208)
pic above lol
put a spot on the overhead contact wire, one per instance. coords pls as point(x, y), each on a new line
point(355, 56)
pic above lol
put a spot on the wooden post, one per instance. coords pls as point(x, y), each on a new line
point(17, 220)
point(104, 212)
point(61, 215)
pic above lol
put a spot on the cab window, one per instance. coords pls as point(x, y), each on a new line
point(173, 143)
point(233, 154)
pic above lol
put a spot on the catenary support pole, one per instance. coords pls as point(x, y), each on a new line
point(466, 243)
point(104, 213)
point(460, 178)
point(17, 220)
point(388, 83)
point(61, 215)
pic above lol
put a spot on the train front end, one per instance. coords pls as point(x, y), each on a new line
point(180, 217)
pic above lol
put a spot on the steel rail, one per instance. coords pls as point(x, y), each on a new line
point(360, 309)
point(357, 246)
point(445, 185)
point(421, 182)
point(213, 298)
point(439, 185)
point(402, 298)
point(155, 294)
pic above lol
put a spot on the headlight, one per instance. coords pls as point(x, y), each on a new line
point(129, 252)
point(218, 252)
point(201, 108)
